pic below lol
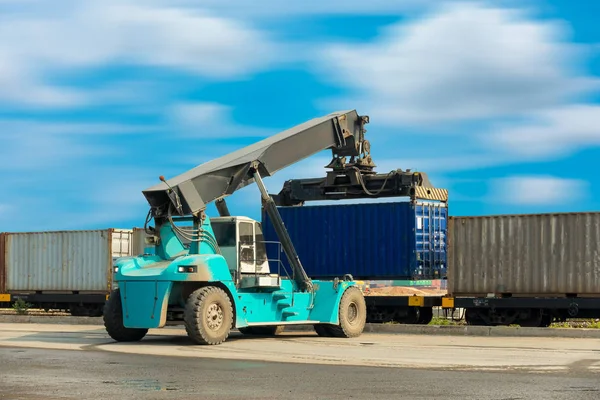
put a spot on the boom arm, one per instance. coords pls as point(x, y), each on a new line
point(190, 192)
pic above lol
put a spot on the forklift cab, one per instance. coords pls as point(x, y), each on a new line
point(242, 244)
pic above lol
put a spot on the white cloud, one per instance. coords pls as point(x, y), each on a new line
point(465, 61)
point(430, 164)
point(80, 175)
point(36, 45)
point(29, 145)
point(19, 83)
point(286, 9)
point(210, 120)
point(60, 175)
point(538, 190)
point(552, 132)
point(116, 195)
point(86, 197)
point(79, 195)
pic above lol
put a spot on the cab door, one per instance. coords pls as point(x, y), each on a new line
point(246, 247)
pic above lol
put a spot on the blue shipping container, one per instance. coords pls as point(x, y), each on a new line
point(392, 240)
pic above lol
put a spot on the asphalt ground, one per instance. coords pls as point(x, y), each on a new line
point(54, 361)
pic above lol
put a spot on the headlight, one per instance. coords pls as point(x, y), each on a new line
point(115, 269)
point(187, 268)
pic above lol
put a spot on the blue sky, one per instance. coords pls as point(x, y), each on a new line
point(496, 101)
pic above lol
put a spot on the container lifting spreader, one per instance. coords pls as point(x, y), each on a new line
point(213, 273)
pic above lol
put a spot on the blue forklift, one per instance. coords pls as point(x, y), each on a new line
point(212, 274)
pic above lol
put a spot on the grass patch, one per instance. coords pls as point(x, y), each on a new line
point(439, 321)
point(21, 307)
point(578, 323)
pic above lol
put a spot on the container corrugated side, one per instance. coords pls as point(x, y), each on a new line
point(525, 255)
point(2, 264)
point(368, 240)
point(63, 261)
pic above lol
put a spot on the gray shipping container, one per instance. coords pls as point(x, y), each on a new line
point(62, 261)
point(524, 255)
point(139, 245)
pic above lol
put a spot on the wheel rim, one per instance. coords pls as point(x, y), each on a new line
point(352, 312)
point(214, 316)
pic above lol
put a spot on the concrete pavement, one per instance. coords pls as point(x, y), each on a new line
point(399, 351)
point(51, 361)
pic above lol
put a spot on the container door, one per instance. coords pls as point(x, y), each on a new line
point(430, 235)
point(122, 243)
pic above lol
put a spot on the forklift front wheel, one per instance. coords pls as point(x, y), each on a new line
point(208, 315)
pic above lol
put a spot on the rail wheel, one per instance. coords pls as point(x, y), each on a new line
point(208, 316)
point(113, 321)
point(472, 317)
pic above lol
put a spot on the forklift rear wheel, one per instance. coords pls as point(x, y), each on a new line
point(208, 315)
point(352, 315)
point(263, 330)
point(113, 321)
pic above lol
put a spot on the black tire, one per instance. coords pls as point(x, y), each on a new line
point(425, 315)
point(208, 316)
point(323, 330)
point(113, 321)
point(352, 315)
point(263, 330)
